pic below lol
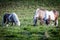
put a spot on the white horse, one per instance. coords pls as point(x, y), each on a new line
point(46, 16)
point(13, 18)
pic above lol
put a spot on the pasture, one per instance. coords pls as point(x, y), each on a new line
point(26, 31)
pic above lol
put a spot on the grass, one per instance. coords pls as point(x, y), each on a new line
point(26, 31)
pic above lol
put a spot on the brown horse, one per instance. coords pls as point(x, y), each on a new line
point(46, 16)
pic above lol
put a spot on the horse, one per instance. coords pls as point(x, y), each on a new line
point(45, 16)
point(10, 18)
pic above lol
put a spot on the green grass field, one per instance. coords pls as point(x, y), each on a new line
point(26, 31)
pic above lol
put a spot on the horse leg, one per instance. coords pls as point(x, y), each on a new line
point(3, 21)
point(35, 21)
point(12, 23)
point(48, 20)
point(56, 23)
point(41, 21)
point(7, 22)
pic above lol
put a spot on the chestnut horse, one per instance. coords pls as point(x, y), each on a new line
point(46, 16)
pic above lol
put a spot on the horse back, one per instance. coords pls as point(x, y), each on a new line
point(42, 14)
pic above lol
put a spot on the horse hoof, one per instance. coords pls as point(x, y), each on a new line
point(57, 26)
point(7, 25)
point(34, 25)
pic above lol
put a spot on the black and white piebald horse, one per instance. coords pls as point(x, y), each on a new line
point(10, 18)
point(46, 16)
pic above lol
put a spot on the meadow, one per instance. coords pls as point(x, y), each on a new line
point(25, 11)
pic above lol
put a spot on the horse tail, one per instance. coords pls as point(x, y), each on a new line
point(3, 19)
point(57, 13)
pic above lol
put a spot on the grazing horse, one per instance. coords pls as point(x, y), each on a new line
point(46, 16)
point(10, 18)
